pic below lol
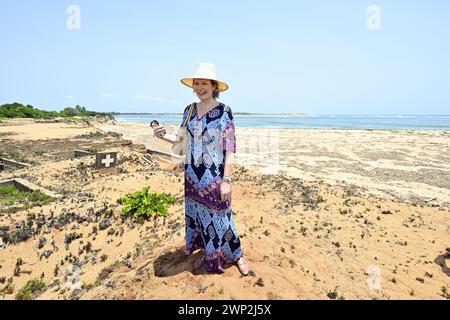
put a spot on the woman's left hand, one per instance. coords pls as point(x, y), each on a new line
point(225, 191)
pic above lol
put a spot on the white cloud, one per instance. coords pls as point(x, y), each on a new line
point(146, 97)
point(109, 95)
point(70, 97)
point(143, 97)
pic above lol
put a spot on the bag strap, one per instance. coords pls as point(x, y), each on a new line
point(189, 115)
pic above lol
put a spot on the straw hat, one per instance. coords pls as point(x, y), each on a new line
point(205, 70)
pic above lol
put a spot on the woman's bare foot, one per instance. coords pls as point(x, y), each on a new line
point(243, 267)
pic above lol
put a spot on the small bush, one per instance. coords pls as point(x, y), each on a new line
point(144, 205)
point(105, 272)
point(8, 289)
point(31, 290)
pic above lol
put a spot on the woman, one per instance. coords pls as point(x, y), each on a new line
point(208, 168)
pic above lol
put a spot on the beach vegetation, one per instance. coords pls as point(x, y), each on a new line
point(138, 249)
point(8, 289)
point(105, 272)
point(16, 200)
point(144, 204)
point(18, 110)
point(445, 293)
point(15, 154)
point(334, 295)
point(32, 289)
point(97, 282)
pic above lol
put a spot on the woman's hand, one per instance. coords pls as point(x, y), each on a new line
point(159, 131)
point(225, 191)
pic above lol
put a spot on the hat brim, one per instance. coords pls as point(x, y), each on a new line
point(189, 82)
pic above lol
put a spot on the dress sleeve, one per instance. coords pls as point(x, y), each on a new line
point(228, 131)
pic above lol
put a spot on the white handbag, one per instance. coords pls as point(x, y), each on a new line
point(181, 143)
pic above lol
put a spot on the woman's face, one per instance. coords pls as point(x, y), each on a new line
point(203, 88)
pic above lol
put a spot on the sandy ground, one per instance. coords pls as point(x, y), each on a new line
point(409, 166)
point(305, 237)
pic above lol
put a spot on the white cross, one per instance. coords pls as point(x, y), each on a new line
point(108, 160)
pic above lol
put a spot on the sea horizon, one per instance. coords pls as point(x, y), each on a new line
point(312, 121)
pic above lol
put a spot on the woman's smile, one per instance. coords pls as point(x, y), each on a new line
point(203, 88)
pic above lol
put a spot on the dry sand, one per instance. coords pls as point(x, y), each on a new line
point(304, 237)
point(402, 165)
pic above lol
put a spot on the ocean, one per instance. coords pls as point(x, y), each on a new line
point(371, 122)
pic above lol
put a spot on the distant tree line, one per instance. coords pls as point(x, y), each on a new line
point(18, 110)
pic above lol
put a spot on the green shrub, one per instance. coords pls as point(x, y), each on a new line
point(8, 289)
point(10, 196)
point(31, 290)
point(143, 204)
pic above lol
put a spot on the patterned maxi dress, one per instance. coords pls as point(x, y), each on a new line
point(209, 220)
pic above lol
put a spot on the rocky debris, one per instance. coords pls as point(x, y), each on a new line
point(71, 237)
point(105, 272)
point(177, 227)
point(292, 263)
point(46, 254)
point(53, 244)
point(259, 282)
point(20, 235)
point(106, 211)
point(293, 191)
point(40, 221)
point(202, 289)
point(104, 224)
point(4, 235)
point(76, 294)
point(88, 247)
point(19, 263)
point(62, 220)
point(41, 243)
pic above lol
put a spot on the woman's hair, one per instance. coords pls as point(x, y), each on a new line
point(215, 84)
point(215, 93)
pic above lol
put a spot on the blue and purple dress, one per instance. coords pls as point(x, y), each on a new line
point(209, 220)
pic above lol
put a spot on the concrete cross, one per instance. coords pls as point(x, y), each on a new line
point(107, 161)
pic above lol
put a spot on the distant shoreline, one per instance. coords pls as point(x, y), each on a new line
point(310, 121)
point(234, 113)
point(287, 114)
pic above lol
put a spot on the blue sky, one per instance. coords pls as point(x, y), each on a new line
point(317, 57)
